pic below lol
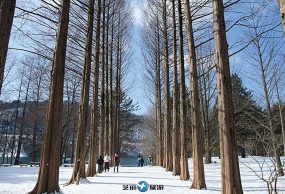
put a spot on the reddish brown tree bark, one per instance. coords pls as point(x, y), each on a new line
point(7, 10)
point(80, 152)
point(50, 158)
point(231, 182)
point(167, 110)
point(175, 121)
point(95, 117)
point(184, 175)
point(198, 166)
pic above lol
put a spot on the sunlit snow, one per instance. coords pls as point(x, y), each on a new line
point(17, 180)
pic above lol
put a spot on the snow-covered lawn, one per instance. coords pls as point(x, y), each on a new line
point(19, 180)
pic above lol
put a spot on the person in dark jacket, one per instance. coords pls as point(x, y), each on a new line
point(139, 161)
point(117, 162)
point(142, 161)
point(100, 162)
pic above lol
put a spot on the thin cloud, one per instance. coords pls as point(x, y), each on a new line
point(136, 6)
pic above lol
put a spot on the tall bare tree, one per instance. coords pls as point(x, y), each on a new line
point(270, 115)
point(152, 52)
point(159, 125)
point(23, 119)
point(280, 113)
point(80, 152)
point(175, 123)
point(198, 166)
point(231, 182)
point(111, 99)
point(7, 10)
point(95, 119)
point(107, 92)
point(158, 97)
point(167, 116)
point(70, 115)
point(262, 58)
point(117, 103)
point(16, 118)
point(102, 141)
point(184, 175)
point(207, 97)
point(39, 80)
point(50, 158)
point(117, 90)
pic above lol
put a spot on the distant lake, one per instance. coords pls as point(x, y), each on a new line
point(24, 160)
point(129, 161)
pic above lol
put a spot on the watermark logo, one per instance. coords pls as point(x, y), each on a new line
point(143, 186)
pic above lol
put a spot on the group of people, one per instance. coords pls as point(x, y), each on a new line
point(106, 162)
point(140, 161)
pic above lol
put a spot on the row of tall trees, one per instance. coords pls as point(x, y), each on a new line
point(100, 52)
point(210, 103)
point(75, 44)
point(168, 157)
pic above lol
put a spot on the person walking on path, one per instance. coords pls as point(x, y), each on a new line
point(117, 162)
point(139, 161)
point(142, 161)
point(149, 160)
point(107, 160)
point(100, 162)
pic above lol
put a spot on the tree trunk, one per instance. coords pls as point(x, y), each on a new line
point(175, 123)
point(50, 158)
point(106, 63)
point(280, 106)
point(205, 112)
point(7, 10)
point(117, 120)
point(117, 107)
point(280, 171)
point(282, 13)
point(198, 165)
point(5, 146)
point(21, 130)
point(159, 136)
point(118, 93)
point(80, 157)
point(184, 175)
point(73, 146)
point(103, 91)
point(112, 128)
point(231, 182)
point(35, 128)
point(167, 111)
point(91, 171)
point(16, 119)
point(270, 116)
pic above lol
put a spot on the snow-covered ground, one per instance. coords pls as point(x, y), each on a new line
point(19, 180)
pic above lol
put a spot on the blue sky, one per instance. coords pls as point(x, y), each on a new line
point(137, 92)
